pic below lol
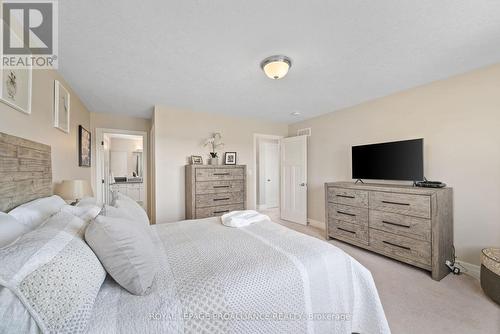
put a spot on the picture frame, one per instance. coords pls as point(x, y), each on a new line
point(62, 100)
point(230, 158)
point(196, 160)
point(16, 88)
point(84, 147)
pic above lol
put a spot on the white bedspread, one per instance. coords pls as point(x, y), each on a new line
point(263, 278)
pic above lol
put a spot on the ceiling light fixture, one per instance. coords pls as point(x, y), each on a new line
point(276, 67)
point(295, 113)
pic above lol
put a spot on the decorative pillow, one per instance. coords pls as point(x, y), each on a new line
point(87, 212)
point(133, 209)
point(125, 249)
point(111, 211)
point(33, 213)
point(86, 201)
point(10, 229)
point(54, 274)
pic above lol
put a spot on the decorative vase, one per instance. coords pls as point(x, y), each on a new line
point(214, 161)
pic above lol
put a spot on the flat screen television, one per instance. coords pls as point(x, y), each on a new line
point(401, 160)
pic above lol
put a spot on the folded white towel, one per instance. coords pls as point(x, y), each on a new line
point(242, 218)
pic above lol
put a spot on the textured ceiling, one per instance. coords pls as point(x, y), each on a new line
point(127, 56)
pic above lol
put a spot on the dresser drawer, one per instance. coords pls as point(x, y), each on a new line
point(207, 200)
point(348, 214)
point(351, 197)
point(348, 231)
point(391, 244)
point(214, 174)
point(217, 210)
point(412, 227)
point(217, 187)
point(413, 205)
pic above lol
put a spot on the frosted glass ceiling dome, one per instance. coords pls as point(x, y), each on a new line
point(276, 67)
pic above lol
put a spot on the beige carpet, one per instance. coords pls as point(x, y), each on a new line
point(413, 302)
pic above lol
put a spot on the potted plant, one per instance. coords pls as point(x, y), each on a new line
point(214, 142)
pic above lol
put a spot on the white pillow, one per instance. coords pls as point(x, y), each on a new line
point(111, 211)
point(10, 229)
point(125, 249)
point(85, 212)
point(86, 201)
point(133, 209)
point(56, 278)
point(33, 213)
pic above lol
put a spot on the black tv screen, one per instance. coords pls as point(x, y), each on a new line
point(401, 160)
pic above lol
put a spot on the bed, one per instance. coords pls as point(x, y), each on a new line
point(263, 278)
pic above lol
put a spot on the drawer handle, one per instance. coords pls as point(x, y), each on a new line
point(221, 174)
point(345, 196)
point(343, 229)
point(391, 244)
point(396, 203)
point(225, 211)
point(346, 213)
point(395, 224)
point(215, 187)
point(221, 199)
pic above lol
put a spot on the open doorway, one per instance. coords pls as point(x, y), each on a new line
point(121, 165)
point(267, 167)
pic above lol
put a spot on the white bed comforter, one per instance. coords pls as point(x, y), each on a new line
point(263, 278)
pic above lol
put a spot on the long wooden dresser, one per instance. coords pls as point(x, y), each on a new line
point(214, 190)
point(410, 224)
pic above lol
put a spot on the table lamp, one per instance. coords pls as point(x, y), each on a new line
point(74, 190)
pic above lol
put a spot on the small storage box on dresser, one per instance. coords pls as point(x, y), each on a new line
point(410, 224)
point(214, 190)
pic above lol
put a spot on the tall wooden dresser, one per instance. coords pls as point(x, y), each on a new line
point(410, 224)
point(214, 190)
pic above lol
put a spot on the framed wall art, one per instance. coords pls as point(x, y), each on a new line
point(61, 107)
point(15, 90)
point(84, 147)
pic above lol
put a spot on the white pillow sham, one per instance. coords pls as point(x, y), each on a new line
point(33, 213)
point(85, 212)
point(133, 209)
point(55, 275)
point(10, 229)
point(87, 201)
point(125, 249)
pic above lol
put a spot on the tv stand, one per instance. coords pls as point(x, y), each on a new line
point(410, 224)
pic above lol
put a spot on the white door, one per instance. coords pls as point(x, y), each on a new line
point(271, 173)
point(294, 179)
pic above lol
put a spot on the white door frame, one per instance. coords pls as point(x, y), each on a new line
point(256, 137)
point(99, 159)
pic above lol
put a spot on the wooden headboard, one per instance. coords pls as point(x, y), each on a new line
point(25, 171)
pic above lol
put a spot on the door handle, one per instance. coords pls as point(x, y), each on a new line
point(302, 184)
point(268, 180)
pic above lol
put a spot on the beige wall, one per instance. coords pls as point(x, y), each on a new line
point(180, 134)
point(459, 119)
point(118, 121)
point(39, 125)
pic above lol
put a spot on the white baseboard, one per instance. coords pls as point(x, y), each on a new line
point(316, 223)
point(472, 270)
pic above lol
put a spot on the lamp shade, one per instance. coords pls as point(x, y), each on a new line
point(71, 190)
